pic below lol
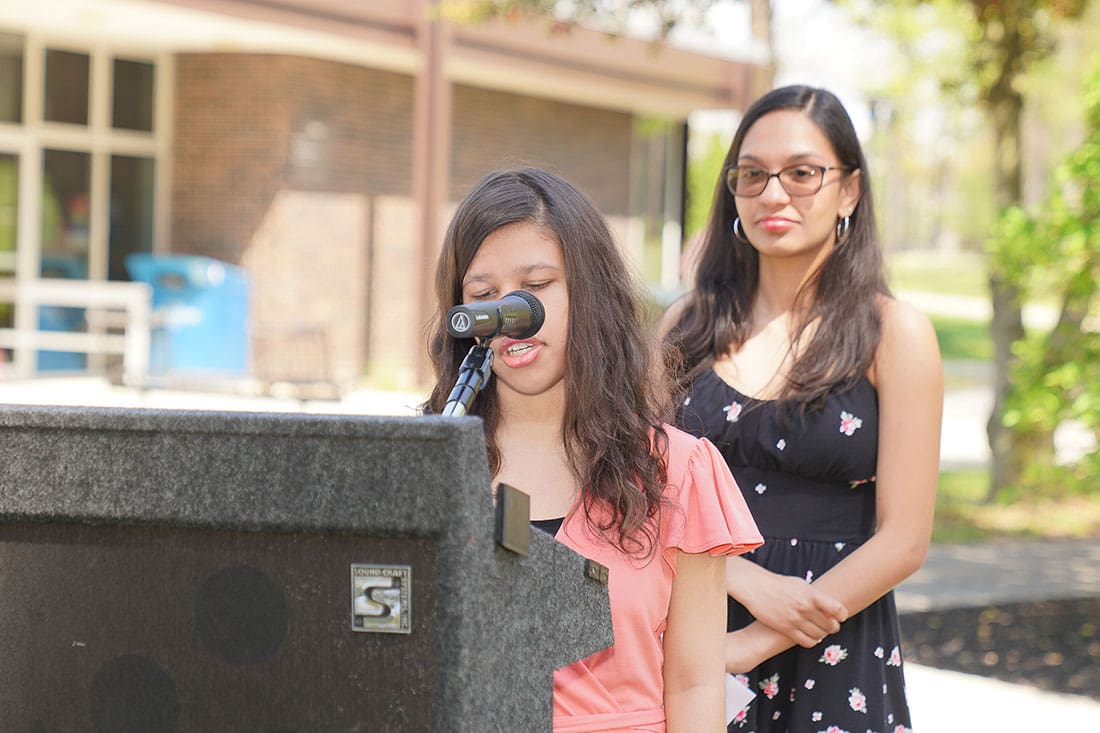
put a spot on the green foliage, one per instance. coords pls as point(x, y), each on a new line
point(702, 177)
point(1055, 251)
point(611, 15)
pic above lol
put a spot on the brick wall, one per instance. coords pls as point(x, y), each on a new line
point(300, 170)
point(589, 147)
point(277, 162)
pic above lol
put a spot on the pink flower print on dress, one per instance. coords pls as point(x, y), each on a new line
point(857, 700)
point(833, 655)
point(733, 411)
point(775, 715)
point(741, 717)
point(849, 423)
point(895, 658)
point(902, 729)
point(770, 686)
point(834, 729)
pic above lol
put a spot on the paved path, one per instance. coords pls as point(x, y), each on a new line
point(962, 575)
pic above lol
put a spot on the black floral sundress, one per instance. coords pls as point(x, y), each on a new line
point(809, 481)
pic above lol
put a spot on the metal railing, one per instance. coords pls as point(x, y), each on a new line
point(133, 299)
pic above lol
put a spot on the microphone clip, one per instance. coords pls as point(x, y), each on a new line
point(473, 374)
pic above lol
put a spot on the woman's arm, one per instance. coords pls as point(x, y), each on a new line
point(694, 683)
point(909, 378)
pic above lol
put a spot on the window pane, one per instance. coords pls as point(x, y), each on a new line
point(65, 185)
point(9, 188)
point(65, 210)
point(66, 87)
point(133, 96)
point(11, 78)
point(131, 212)
point(9, 207)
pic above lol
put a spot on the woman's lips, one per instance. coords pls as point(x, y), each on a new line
point(516, 354)
point(776, 224)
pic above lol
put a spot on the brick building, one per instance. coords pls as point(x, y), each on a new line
point(321, 145)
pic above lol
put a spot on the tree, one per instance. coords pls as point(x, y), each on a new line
point(1008, 39)
point(1055, 251)
point(611, 14)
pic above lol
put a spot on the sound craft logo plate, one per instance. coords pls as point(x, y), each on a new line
point(381, 598)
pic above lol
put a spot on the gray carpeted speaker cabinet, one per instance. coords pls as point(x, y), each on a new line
point(197, 571)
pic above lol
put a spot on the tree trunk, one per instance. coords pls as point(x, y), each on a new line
point(1006, 110)
point(1013, 450)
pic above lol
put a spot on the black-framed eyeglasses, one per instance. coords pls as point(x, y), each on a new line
point(797, 180)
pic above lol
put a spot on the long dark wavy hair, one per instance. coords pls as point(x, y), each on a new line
point(612, 404)
point(840, 297)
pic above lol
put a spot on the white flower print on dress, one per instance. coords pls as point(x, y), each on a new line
point(879, 652)
point(687, 400)
point(895, 658)
point(775, 715)
point(733, 411)
point(809, 576)
point(839, 546)
point(857, 700)
point(833, 655)
point(810, 684)
point(761, 488)
point(849, 423)
point(770, 686)
point(816, 717)
point(781, 444)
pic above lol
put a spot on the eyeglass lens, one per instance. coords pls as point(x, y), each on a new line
point(797, 180)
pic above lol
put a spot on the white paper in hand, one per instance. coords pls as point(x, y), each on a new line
point(737, 697)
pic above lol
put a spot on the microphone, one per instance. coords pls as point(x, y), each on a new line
point(519, 314)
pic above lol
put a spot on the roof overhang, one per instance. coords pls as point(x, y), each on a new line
point(531, 56)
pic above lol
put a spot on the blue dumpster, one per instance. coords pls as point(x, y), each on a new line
point(201, 322)
point(62, 318)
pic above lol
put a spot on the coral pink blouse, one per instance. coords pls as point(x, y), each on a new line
point(622, 688)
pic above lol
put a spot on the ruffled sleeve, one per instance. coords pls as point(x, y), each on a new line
point(706, 512)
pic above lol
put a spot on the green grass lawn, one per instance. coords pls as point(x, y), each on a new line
point(963, 339)
point(958, 274)
point(962, 515)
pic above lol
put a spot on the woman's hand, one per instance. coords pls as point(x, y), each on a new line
point(789, 605)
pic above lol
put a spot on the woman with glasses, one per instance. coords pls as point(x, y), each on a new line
point(824, 395)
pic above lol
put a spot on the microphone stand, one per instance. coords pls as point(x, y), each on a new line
point(473, 374)
point(512, 510)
